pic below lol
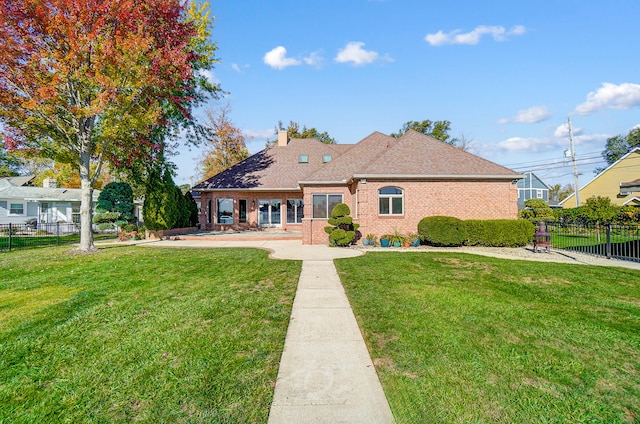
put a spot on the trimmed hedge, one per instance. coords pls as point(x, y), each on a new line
point(450, 231)
point(499, 232)
point(442, 231)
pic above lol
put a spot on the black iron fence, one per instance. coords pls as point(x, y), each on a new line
point(21, 236)
point(610, 241)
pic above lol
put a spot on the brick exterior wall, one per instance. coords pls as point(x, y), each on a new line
point(460, 199)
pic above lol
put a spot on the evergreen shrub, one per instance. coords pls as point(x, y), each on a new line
point(442, 231)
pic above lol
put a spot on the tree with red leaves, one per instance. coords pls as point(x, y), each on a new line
point(89, 82)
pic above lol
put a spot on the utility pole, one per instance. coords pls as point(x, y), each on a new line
point(575, 166)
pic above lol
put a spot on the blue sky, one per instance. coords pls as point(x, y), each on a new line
point(507, 74)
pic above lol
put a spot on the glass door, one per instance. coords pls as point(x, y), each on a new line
point(269, 214)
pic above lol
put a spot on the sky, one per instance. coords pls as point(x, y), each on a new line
point(507, 74)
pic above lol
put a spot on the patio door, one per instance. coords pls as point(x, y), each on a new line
point(269, 213)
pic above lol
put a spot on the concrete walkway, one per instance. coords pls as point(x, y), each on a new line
point(326, 374)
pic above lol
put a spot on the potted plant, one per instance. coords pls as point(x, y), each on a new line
point(369, 240)
point(397, 239)
point(385, 240)
point(414, 239)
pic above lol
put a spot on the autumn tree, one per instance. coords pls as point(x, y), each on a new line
point(89, 82)
point(558, 192)
point(294, 131)
point(226, 145)
point(436, 129)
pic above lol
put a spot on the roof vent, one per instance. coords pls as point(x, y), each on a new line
point(303, 159)
point(326, 158)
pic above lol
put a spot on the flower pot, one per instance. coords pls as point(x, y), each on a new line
point(415, 243)
point(365, 242)
point(385, 242)
point(396, 244)
point(407, 244)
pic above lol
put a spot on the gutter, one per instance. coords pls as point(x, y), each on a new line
point(440, 176)
point(249, 190)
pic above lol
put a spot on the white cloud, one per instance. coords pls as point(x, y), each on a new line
point(499, 33)
point(528, 144)
point(611, 96)
point(532, 115)
point(211, 78)
point(277, 58)
point(259, 134)
point(563, 130)
point(314, 59)
point(354, 53)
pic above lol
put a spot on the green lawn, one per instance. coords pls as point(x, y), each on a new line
point(464, 338)
point(141, 334)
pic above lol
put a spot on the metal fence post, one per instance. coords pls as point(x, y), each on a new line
point(58, 233)
point(10, 231)
point(608, 241)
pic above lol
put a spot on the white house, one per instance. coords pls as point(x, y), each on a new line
point(20, 203)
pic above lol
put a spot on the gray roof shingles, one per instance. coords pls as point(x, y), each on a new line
point(413, 154)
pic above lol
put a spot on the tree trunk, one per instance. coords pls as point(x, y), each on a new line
point(86, 205)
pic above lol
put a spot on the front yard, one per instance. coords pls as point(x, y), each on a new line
point(136, 334)
point(464, 338)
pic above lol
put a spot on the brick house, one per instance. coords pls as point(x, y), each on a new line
point(388, 183)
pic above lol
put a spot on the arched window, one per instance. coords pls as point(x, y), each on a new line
point(390, 201)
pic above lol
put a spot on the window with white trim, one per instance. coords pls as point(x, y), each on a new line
point(390, 201)
point(295, 211)
point(324, 203)
point(16, 208)
point(539, 194)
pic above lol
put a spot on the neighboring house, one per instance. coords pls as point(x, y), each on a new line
point(387, 183)
point(615, 182)
point(532, 187)
point(20, 203)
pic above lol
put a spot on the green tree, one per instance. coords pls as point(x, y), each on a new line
point(115, 206)
point(294, 131)
point(436, 129)
point(225, 147)
point(192, 207)
point(619, 145)
point(10, 164)
point(89, 83)
point(165, 206)
point(537, 210)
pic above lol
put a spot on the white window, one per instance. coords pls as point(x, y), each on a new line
point(539, 193)
point(324, 203)
point(16, 208)
point(390, 201)
point(295, 211)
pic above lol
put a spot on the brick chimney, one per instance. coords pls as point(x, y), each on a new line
point(283, 138)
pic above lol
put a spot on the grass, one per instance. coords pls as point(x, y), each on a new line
point(141, 334)
point(464, 338)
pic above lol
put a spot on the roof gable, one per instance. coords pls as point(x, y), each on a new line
point(420, 155)
point(626, 157)
point(413, 155)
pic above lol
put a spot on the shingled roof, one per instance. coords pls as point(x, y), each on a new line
point(414, 155)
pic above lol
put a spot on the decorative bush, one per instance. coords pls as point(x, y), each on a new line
point(499, 232)
point(442, 231)
point(115, 206)
point(343, 231)
point(537, 210)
